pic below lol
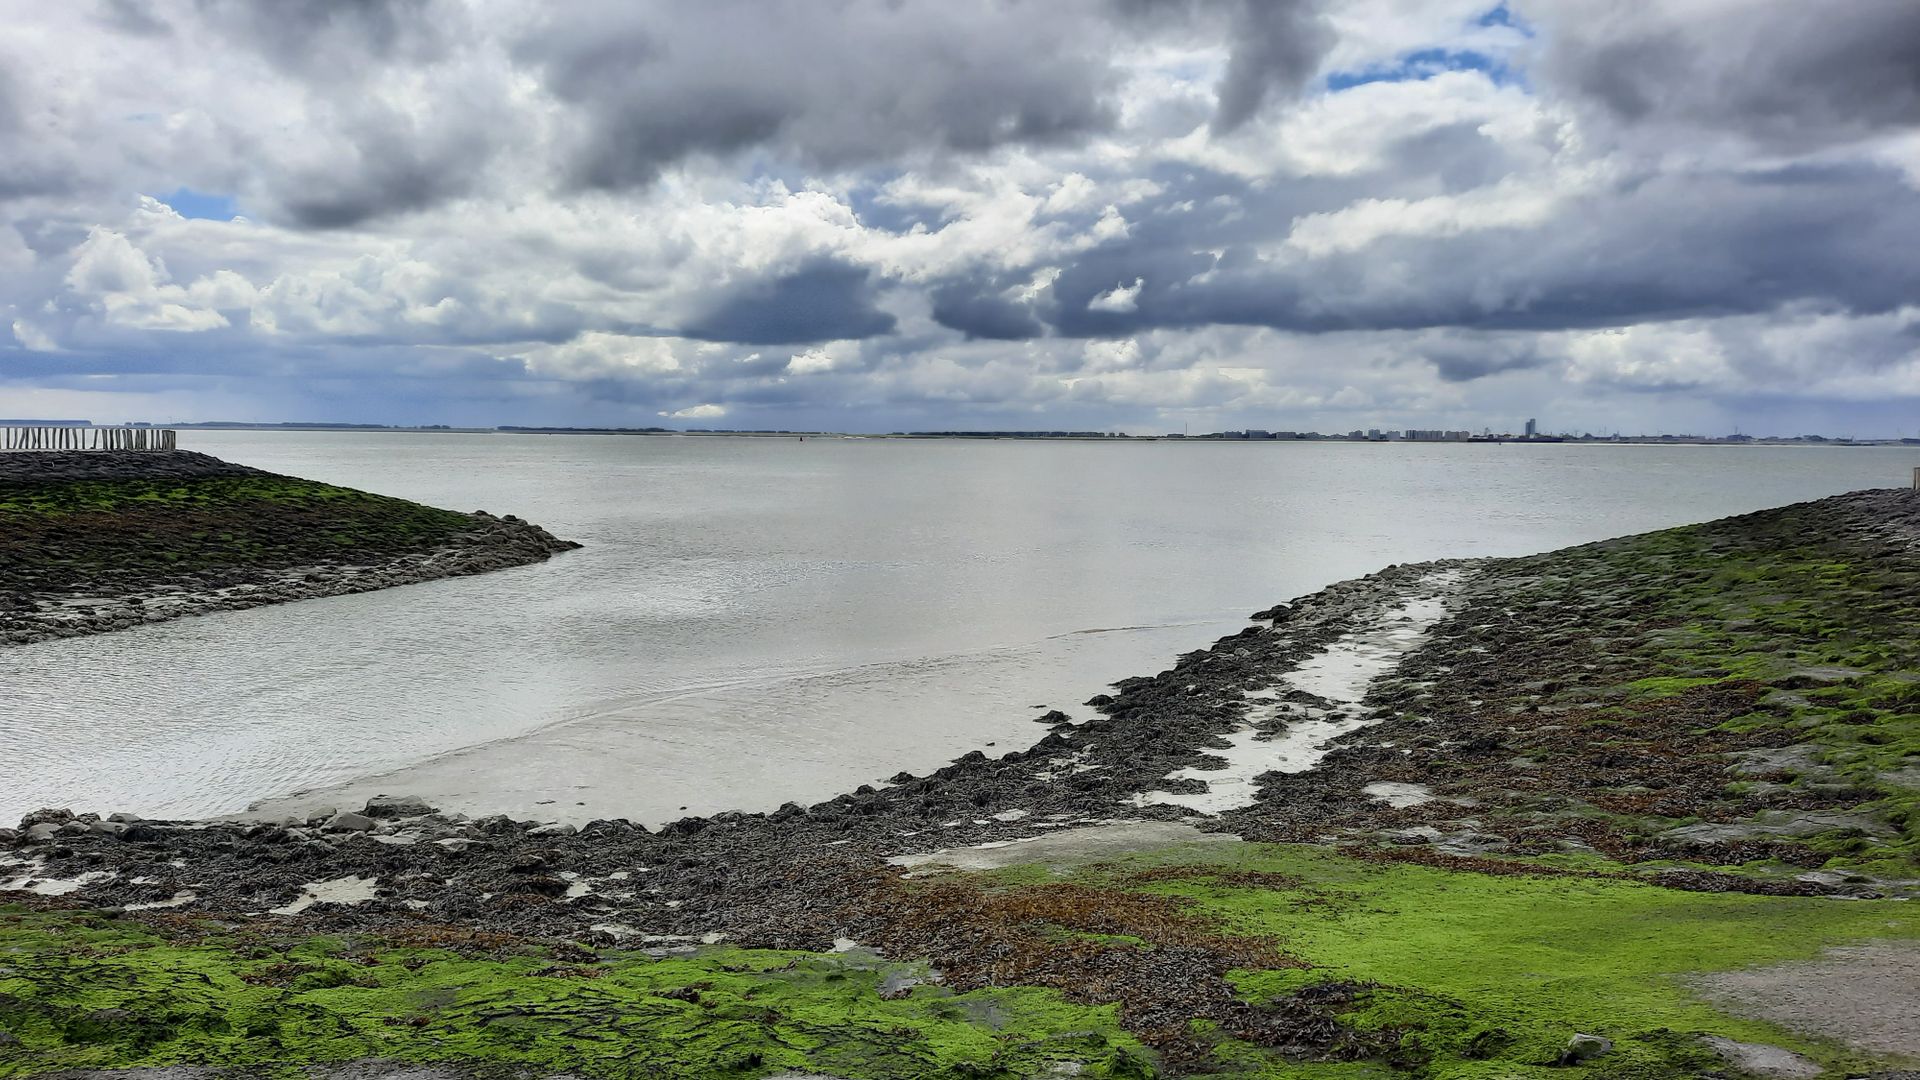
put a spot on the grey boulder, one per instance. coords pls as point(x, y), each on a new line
point(1584, 1047)
point(349, 822)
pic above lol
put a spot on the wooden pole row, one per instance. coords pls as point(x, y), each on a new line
point(87, 438)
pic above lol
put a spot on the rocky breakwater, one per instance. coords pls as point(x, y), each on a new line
point(92, 542)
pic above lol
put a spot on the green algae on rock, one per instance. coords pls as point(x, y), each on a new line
point(1740, 695)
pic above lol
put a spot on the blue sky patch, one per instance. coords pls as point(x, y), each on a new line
point(1501, 16)
point(1424, 64)
point(189, 203)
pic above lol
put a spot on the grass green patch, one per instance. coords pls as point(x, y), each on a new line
point(1463, 976)
point(77, 991)
point(1491, 975)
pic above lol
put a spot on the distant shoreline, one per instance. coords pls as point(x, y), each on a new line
point(1042, 436)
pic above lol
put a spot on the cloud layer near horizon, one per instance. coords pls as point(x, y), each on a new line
point(882, 214)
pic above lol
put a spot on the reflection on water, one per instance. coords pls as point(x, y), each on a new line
point(754, 621)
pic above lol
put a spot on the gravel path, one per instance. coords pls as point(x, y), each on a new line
point(1866, 996)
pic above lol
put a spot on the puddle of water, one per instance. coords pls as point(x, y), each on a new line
point(346, 890)
point(1399, 796)
point(29, 880)
point(1339, 674)
point(1252, 754)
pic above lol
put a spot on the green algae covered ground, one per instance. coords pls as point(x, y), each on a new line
point(74, 533)
point(1759, 673)
point(79, 991)
point(1453, 974)
point(92, 542)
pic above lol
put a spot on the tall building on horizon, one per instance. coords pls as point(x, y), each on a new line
point(1533, 427)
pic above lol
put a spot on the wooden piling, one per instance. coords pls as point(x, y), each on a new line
point(48, 437)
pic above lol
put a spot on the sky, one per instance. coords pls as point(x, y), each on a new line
point(1695, 216)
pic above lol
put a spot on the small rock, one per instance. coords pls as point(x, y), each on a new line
point(546, 886)
point(349, 822)
point(41, 833)
point(321, 815)
point(557, 828)
point(108, 828)
point(1585, 1048)
point(1802, 758)
point(456, 844)
point(393, 806)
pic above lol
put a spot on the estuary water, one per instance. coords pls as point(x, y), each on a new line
point(759, 620)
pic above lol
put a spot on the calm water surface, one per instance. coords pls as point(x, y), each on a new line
point(754, 621)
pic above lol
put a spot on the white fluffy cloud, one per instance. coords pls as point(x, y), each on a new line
point(889, 214)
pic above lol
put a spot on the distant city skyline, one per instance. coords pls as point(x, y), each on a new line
point(1485, 434)
point(875, 215)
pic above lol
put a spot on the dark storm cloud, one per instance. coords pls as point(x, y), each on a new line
point(388, 165)
point(640, 87)
point(1459, 157)
point(822, 301)
point(1275, 47)
point(1461, 359)
point(9, 103)
point(329, 40)
point(135, 17)
point(1664, 247)
point(979, 310)
point(1790, 74)
point(652, 84)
